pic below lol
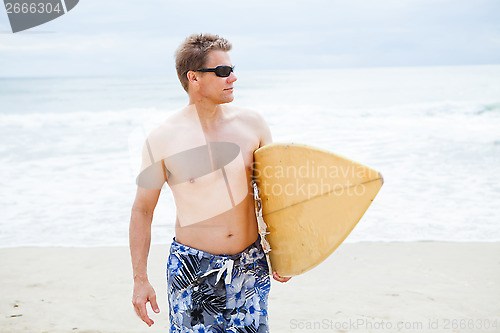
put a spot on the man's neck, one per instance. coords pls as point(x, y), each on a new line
point(207, 112)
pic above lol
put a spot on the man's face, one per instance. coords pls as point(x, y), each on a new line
point(219, 90)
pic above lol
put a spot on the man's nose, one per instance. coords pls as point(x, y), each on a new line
point(232, 78)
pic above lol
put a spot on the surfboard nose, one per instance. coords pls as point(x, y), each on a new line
point(381, 178)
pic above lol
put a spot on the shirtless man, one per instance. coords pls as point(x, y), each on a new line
point(217, 273)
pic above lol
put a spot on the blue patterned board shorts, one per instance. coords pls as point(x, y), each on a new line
point(217, 293)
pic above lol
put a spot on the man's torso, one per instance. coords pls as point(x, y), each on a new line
point(209, 170)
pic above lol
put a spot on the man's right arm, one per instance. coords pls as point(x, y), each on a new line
point(139, 241)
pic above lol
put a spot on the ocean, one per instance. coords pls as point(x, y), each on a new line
point(69, 148)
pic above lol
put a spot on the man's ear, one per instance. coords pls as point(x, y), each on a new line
point(192, 78)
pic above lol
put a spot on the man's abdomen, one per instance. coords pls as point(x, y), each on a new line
point(227, 233)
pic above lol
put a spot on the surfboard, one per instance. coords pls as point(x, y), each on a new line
point(311, 200)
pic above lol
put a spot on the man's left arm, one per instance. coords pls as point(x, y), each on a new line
point(264, 132)
point(265, 139)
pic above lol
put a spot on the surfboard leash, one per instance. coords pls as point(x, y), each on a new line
point(261, 224)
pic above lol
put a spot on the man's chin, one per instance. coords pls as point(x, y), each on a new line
point(227, 99)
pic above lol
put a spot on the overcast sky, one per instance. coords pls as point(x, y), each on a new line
point(139, 37)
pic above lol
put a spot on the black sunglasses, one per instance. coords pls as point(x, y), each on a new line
point(220, 71)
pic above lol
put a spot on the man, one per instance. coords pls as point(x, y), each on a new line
point(217, 273)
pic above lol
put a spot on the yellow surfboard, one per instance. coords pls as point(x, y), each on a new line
point(311, 201)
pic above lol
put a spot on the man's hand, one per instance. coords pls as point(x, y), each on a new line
point(279, 278)
point(143, 293)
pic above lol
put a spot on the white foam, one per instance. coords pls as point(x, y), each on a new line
point(68, 177)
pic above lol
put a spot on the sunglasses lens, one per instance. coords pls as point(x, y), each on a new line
point(223, 71)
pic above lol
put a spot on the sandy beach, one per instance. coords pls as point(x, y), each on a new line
point(362, 287)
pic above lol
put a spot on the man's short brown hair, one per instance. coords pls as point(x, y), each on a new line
point(193, 52)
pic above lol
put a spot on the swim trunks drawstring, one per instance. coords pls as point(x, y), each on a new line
point(227, 267)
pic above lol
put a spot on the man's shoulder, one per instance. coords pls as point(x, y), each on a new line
point(168, 125)
point(252, 120)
